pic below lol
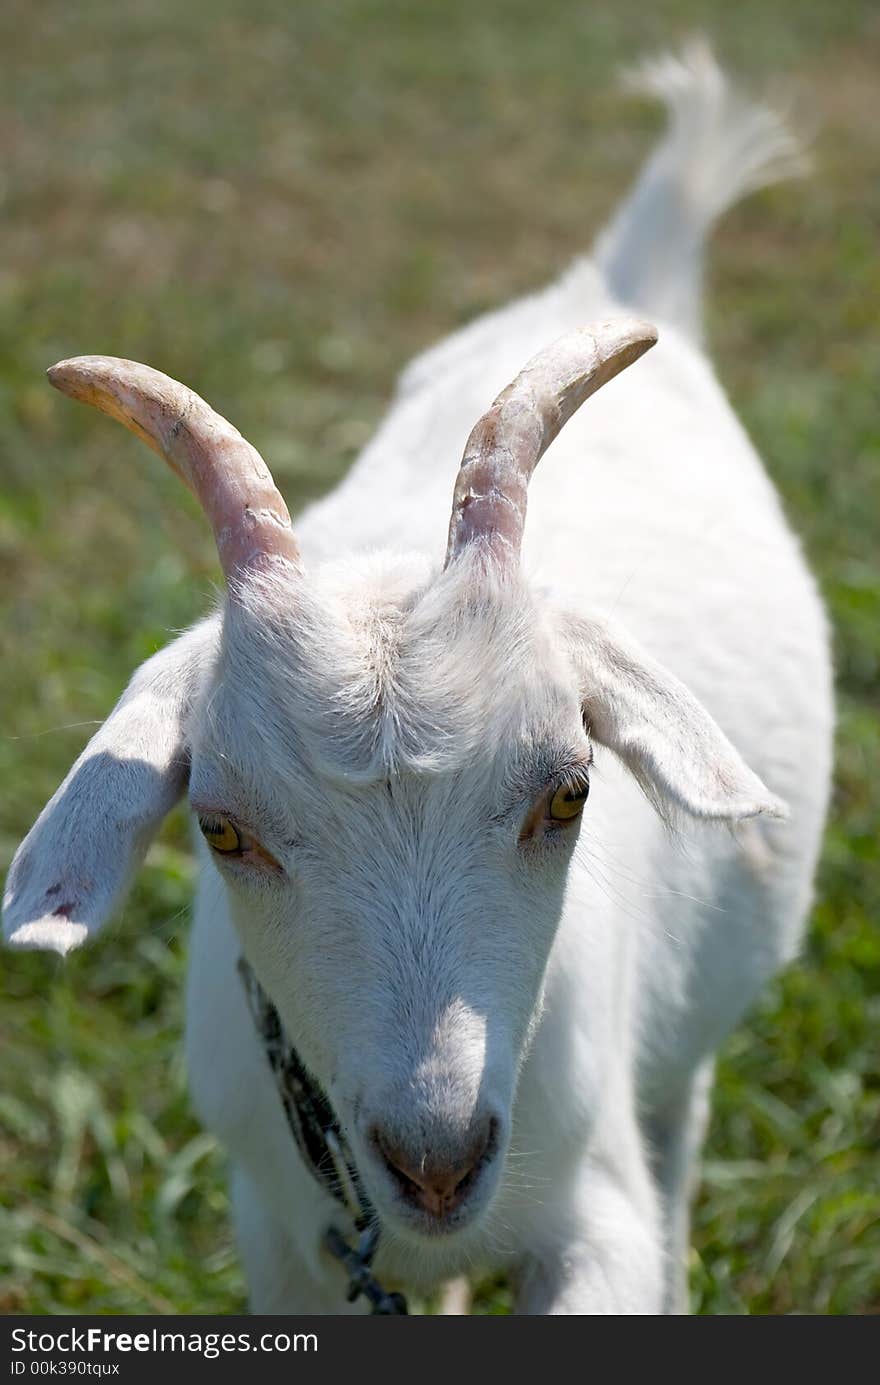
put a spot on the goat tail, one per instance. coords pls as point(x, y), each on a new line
point(719, 146)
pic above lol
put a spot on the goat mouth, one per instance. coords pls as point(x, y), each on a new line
point(409, 1222)
point(435, 1213)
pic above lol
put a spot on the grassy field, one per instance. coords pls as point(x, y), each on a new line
point(279, 203)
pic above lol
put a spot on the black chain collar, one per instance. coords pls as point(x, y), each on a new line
point(324, 1149)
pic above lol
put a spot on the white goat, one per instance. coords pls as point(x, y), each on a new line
point(511, 997)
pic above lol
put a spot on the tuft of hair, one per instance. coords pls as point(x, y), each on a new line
point(719, 146)
point(382, 665)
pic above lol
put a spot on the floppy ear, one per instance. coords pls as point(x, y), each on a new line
point(661, 732)
point(76, 863)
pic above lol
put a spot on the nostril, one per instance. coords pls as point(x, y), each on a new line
point(490, 1146)
point(436, 1182)
point(392, 1158)
point(482, 1154)
point(410, 1174)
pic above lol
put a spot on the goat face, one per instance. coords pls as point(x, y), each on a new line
point(389, 770)
point(389, 775)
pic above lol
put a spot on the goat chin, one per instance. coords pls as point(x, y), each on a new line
point(512, 992)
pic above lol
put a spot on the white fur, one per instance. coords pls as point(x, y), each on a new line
point(384, 730)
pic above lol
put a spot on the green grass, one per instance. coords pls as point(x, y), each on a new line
point(279, 203)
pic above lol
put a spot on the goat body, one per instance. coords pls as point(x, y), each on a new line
point(515, 1023)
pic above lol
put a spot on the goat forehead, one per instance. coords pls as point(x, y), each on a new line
point(369, 679)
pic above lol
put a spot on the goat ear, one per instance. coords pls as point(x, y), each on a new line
point(662, 733)
point(76, 863)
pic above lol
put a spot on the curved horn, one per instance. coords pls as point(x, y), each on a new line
point(490, 497)
point(228, 477)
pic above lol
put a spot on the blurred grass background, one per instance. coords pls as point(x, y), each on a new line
point(279, 203)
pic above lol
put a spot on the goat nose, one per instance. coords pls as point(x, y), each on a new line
point(436, 1183)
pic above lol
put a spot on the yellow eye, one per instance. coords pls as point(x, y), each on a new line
point(219, 833)
point(568, 802)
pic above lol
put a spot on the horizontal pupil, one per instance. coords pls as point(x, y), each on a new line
point(219, 832)
point(568, 800)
